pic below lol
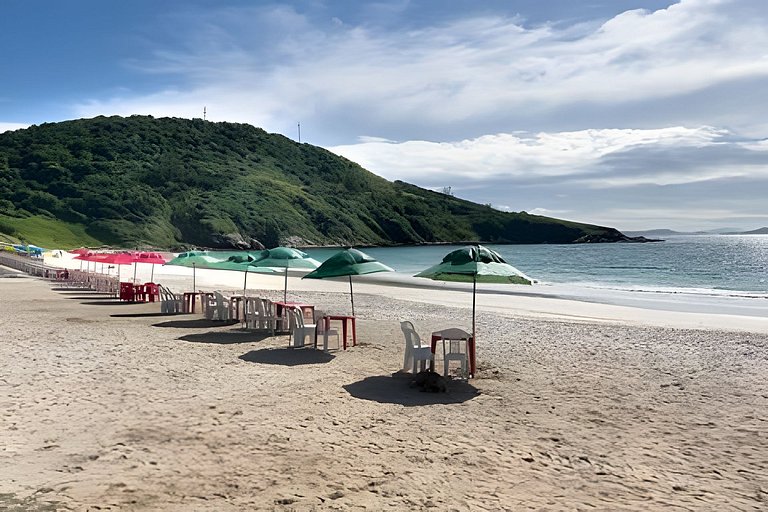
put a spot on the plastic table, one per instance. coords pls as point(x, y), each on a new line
point(438, 335)
point(344, 319)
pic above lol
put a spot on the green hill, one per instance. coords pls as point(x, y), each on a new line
point(171, 183)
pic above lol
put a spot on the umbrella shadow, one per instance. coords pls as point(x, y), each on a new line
point(397, 389)
point(77, 291)
point(103, 296)
point(287, 356)
point(230, 337)
point(144, 315)
point(113, 302)
point(197, 323)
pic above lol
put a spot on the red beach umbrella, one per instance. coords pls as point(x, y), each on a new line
point(117, 258)
point(154, 258)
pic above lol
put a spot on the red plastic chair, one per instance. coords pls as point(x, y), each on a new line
point(126, 292)
point(151, 292)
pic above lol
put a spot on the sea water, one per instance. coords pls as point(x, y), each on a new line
point(689, 270)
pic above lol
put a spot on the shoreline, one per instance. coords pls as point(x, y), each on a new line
point(537, 301)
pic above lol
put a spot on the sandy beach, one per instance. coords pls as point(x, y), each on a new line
point(576, 406)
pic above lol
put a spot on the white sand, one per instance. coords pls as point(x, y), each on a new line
point(575, 407)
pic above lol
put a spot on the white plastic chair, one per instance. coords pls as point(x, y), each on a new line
point(267, 315)
point(416, 354)
point(208, 304)
point(223, 308)
point(301, 330)
point(453, 340)
point(320, 323)
point(169, 301)
point(252, 308)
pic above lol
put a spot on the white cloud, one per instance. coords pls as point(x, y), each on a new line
point(547, 212)
point(518, 156)
point(481, 75)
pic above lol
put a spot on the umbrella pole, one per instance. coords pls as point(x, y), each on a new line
point(285, 291)
point(193, 278)
point(474, 338)
point(152, 275)
point(351, 295)
point(474, 291)
point(245, 301)
point(135, 266)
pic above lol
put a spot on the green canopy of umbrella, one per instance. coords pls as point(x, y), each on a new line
point(285, 258)
point(475, 264)
point(200, 259)
point(194, 259)
point(236, 262)
point(349, 262)
point(241, 263)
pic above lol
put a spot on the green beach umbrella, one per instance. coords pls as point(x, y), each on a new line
point(194, 259)
point(349, 262)
point(241, 263)
point(475, 264)
point(285, 258)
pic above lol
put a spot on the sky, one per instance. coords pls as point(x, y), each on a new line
point(632, 114)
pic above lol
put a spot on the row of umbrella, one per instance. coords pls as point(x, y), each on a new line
point(121, 258)
point(472, 264)
point(348, 262)
point(475, 264)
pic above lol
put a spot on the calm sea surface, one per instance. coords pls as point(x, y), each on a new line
point(727, 265)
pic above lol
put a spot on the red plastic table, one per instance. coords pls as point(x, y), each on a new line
point(307, 310)
point(436, 336)
point(343, 319)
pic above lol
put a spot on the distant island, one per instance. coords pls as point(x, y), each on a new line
point(669, 232)
point(178, 183)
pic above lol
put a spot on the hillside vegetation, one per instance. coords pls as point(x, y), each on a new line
point(173, 183)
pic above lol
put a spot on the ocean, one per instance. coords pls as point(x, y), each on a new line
point(690, 272)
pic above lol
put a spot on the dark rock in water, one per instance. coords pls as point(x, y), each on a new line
point(613, 236)
point(430, 381)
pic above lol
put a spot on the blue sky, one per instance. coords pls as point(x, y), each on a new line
point(632, 114)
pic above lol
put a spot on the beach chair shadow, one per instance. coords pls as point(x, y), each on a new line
point(287, 356)
point(196, 323)
point(397, 389)
point(229, 337)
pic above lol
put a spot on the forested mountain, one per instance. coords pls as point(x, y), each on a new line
point(171, 183)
